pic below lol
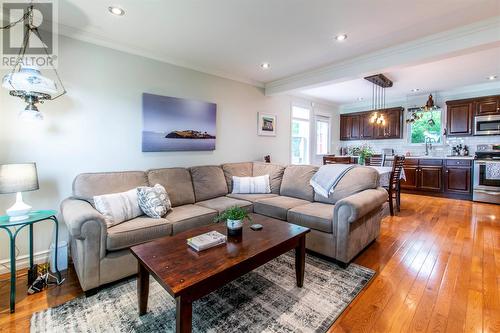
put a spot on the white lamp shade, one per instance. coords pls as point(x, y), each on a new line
point(29, 79)
point(18, 178)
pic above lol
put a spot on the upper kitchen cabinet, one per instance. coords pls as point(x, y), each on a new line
point(459, 118)
point(460, 113)
point(349, 127)
point(357, 126)
point(487, 106)
point(393, 128)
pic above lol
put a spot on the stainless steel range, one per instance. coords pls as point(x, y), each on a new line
point(486, 174)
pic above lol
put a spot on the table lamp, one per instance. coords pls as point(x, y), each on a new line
point(18, 178)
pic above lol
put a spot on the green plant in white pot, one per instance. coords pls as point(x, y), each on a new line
point(234, 218)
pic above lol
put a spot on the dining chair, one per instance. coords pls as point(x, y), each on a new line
point(376, 160)
point(332, 159)
point(394, 188)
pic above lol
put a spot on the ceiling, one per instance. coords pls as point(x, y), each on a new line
point(232, 38)
point(443, 75)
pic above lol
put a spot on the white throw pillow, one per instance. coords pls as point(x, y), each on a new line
point(154, 201)
point(118, 207)
point(251, 185)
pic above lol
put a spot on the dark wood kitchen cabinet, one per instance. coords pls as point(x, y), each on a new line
point(457, 177)
point(445, 178)
point(431, 178)
point(460, 113)
point(459, 118)
point(357, 126)
point(487, 106)
point(349, 127)
point(367, 130)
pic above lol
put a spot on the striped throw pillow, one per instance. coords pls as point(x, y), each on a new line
point(251, 185)
point(118, 207)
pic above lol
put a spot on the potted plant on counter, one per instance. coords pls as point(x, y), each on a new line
point(234, 218)
point(363, 152)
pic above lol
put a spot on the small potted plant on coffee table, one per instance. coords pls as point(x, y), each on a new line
point(234, 218)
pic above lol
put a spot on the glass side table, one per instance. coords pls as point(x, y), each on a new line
point(34, 217)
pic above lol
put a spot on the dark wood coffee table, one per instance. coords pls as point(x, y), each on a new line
point(188, 275)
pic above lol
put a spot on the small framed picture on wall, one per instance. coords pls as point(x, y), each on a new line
point(266, 125)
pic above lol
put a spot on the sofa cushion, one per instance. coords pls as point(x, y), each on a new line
point(354, 181)
point(136, 231)
point(296, 182)
point(220, 204)
point(316, 215)
point(208, 182)
point(177, 182)
point(277, 207)
point(189, 216)
point(88, 185)
point(275, 172)
point(243, 169)
point(252, 197)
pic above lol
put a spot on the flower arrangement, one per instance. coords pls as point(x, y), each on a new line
point(363, 152)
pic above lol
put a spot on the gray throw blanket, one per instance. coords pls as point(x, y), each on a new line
point(328, 176)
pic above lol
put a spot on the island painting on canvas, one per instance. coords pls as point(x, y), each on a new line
point(177, 124)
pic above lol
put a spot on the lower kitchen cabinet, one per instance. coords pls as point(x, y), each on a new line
point(457, 178)
point(431, 178)
point(446, 178)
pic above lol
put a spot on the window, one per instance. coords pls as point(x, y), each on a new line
point(429, 126)
point(300, 135)
point(322, 135)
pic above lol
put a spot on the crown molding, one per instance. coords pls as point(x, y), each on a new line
point(95, 39)
point(440, 45)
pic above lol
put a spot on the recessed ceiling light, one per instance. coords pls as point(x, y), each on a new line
point(360, 99)
point(492, 77)
point(116, 11)
point(341, 37)
point(265, 65)
point(415, 90)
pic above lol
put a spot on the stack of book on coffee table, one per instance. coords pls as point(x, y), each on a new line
point(207, 240)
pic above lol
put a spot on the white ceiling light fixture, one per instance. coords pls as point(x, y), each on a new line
point(492, 77)
point(25, 80)
point(415, 90)
point(117, 11)
point(360, 99)
point(265, 65)
point(341, 37)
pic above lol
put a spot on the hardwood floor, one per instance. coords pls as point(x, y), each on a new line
point(437, 264)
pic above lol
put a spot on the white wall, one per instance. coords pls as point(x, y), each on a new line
point(97, 125)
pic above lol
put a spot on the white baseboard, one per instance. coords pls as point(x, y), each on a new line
point(24, 261)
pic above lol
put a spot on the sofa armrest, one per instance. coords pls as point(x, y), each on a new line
point(88, 233)
point(77, 213)
point(353, 207)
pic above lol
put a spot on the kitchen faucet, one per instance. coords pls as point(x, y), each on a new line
point(428, 145)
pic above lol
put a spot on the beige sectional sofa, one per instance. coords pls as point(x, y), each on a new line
point(341, 225)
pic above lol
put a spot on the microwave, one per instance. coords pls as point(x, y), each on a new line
point(487, 125)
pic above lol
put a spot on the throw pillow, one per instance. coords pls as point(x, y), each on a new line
point(118, 207)
point(154, 201)
point(251, 185)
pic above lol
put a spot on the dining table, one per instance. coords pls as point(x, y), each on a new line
point(385, 174)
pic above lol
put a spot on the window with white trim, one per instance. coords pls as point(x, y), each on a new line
point(301, 123)
point(322, 135)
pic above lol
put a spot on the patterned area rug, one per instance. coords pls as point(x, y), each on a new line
point(264, 300)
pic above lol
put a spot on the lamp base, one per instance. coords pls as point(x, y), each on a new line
point(19, 211)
